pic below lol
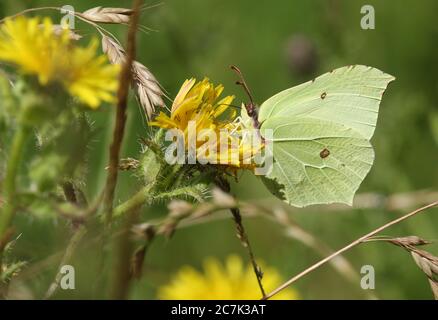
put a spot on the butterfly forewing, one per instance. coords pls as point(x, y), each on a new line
point(321, 132)
point(348, 95)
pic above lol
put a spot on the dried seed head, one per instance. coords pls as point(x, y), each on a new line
point(223, 199)
point(114, 51)
point(144, 231)
point(427, 262)
point(409, 241)
point(179, 208)
point(146, 86)
point(128, 164)
point(107, 15)
point(202, 210)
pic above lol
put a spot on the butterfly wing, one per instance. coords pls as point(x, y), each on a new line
point(348, 95)
point(316, 161)
point(321, 132)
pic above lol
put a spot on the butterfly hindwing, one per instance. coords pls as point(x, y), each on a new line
point(316, 161)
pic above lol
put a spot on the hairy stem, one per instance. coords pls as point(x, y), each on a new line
point(347, 247)
point(9, 185)
point(139, 199)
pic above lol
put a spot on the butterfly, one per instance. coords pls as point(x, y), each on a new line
point(320, 134)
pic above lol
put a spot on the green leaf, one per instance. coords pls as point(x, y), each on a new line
point(321, 132)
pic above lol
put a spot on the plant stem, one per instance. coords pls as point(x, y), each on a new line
point(71, 249)
point(140, 198)
point(120, 289)
point(241, 233)
point(9, 183)
point(124, 249)
point(347, 247)
point(119, 129)
point(223, 184)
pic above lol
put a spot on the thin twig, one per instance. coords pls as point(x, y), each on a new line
point(241, 233)
point(295, 231)
point(349, 246)
point(223, 184)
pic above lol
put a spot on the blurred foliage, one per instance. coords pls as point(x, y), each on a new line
point(277, 45)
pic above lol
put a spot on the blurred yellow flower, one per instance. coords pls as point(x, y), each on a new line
point(231, 281)
point(36, 49)
point(198, 102)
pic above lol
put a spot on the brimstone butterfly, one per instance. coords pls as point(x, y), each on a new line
point(321, 134)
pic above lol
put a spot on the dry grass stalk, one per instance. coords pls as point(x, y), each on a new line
point(147, 88)
point(353, 244)
point(108, 15)
point(189, 215)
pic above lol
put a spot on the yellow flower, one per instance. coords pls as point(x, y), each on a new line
point(231, 281)
point(199, 102)
point(35, 48)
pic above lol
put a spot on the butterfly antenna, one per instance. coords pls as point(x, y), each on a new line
point(242, 82)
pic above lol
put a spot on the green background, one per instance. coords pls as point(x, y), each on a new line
point(202, 38)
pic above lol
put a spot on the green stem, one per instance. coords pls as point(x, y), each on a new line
point(170, 175)
point(121, 267)
point(9, 184)
point(149, 192)
point(66, 259)
point(140, 198)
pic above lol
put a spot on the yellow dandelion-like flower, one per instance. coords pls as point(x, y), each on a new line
point(199, 102)
point(231, 281)
point(36, 49)
point(195, 102)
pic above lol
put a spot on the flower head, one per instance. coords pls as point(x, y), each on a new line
point(196, 102)
point(38, 49)
point(200, 103)
point(231, 281)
